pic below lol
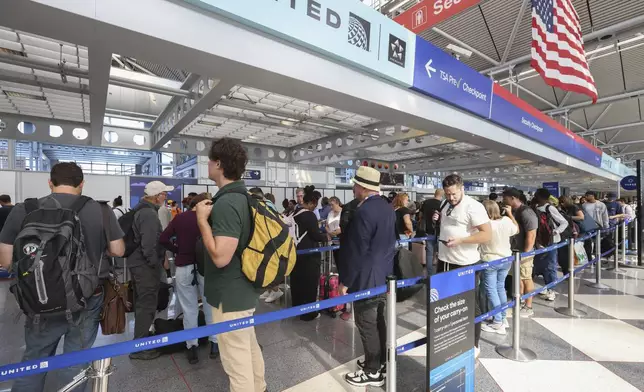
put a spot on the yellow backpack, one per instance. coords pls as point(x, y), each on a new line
point(270, 254)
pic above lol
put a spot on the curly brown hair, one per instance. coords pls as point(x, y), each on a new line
point(231, 155)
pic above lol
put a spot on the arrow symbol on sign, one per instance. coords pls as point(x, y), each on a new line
point(429, 68)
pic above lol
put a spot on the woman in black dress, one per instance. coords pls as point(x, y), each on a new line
point(404, 226)
point(306, 273)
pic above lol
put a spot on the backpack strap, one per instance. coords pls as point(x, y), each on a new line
point(80, 203)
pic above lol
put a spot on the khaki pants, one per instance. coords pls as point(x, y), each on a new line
point(241, 356)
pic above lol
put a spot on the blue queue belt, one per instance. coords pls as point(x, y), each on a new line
point(47, 364)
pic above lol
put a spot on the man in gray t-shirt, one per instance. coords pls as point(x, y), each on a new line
point(596, 210)
point(66, 183)
point(523, 242)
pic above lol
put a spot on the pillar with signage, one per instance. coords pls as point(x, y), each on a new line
point(450, 336)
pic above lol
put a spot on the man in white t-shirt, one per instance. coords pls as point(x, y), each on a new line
point(464, 225)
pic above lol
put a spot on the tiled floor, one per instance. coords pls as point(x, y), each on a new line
point(602, 352)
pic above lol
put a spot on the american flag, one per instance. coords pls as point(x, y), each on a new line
point(557, 47)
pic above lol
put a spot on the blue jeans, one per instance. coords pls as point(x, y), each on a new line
point(494, 283)
point(546, 264)
point(431, 247)
point(188, 296)
point(42, 340)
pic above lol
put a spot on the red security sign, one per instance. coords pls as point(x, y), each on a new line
point(428, 13)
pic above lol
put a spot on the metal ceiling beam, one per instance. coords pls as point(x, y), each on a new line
point(99, 79)
point(181, 111)
point(612, 128)
point(268, 121)
point(239, 104)
point(201, 146)
point(629, 153)
point(628, 25)
point(614, 137)
point(600, 117)
point(458, 166)
point(84, 74)
point(418, 143)
point(39, 81)
point(515, 30)
point(342, 143)
point(464, 45)
point(371, 153)
point(607, 99)
point(622, 143)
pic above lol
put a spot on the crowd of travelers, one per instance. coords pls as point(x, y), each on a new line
point(203, 240)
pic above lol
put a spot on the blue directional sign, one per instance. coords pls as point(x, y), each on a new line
point(252, 175)
point(552, 187)
point(440, 75)
point(629, 183)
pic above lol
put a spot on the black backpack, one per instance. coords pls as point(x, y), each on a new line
point(572, 230)
point(53, 272)
point(127, 225)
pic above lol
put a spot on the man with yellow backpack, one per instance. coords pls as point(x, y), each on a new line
point(238, 232)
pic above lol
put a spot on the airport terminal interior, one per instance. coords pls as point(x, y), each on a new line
point(416, 90)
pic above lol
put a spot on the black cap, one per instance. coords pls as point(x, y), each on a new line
point(512, 192)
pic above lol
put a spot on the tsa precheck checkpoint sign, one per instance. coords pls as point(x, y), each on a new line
point(440, 75)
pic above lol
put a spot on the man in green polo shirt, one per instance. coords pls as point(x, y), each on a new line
point(230, 294)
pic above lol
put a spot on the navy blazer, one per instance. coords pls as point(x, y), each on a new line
point(368, 247)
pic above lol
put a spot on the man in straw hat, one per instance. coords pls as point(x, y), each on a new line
point(367, 257)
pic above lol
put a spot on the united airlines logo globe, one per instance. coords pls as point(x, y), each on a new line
point(433, 295)
point(359, 32)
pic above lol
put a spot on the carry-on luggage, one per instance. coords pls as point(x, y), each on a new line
point(330, 284)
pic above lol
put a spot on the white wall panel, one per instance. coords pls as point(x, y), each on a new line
point(98, 187)
point(34, 184)
point(107, 187)
point(8, 187)
point(280, 195)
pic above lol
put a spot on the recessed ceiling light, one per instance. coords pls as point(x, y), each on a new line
point(14, 94)
point(287, 123)
point(209, 123)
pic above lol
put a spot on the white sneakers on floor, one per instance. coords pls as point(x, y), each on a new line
point(548, 295)
point(498, 328)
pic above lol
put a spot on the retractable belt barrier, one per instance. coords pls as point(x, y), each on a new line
point(46, 364)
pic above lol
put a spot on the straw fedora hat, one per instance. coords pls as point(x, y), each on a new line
point(368, 178)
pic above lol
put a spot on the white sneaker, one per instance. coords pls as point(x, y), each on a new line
point(526, 312)
point(497, 328)
point(274, 296)
point(505, 323)
point(548, 295)
point(265, 294)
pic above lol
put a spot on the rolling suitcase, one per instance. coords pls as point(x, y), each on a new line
point(330, 284)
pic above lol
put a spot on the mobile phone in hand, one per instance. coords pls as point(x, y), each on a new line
point(444, 242)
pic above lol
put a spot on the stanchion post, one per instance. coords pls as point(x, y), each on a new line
point(636, 235)
point(570, 310)
point(102, 370)
point(597, 284)
point(391, 333)
point(615, 267)
point(624, 242)
point(515, 352)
